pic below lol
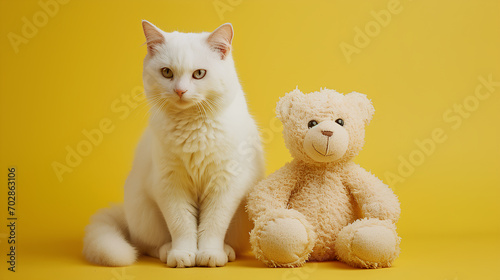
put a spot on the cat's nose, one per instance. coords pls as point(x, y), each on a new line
point(327, 133)
point(180, 92)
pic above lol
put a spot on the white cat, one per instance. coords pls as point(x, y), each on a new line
point(194, 165)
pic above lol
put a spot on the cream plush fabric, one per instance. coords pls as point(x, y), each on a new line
point(322, 206)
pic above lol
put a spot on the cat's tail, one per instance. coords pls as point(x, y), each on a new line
point(105, 241)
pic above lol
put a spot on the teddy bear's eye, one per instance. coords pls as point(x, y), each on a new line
point(312, 124)
point(340, 121)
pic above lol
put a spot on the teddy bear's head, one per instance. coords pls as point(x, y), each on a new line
point(324, 126)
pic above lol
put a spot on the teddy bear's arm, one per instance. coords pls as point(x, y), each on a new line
point(272, 192)
point(375, 198)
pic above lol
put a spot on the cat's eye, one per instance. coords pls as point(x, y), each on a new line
point(167, 72)
point(340, 122)
point(312, 124)
point(199, 74)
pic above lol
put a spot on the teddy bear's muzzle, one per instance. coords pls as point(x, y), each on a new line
point(326, 142)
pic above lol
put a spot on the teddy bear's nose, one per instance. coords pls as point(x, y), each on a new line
point(327, 133)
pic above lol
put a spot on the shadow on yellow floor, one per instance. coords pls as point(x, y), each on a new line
point(442, 258)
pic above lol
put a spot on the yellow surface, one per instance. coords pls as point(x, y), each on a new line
point(78, 69)
point(432, 258)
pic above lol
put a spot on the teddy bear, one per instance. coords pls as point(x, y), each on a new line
point(322, 206)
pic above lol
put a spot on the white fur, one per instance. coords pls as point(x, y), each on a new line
point(194, 165)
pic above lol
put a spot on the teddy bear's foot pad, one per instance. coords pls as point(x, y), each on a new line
point(284, 240)
point(368, 243)
point(374, 243)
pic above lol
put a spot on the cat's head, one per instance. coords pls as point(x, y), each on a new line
point(189, 71)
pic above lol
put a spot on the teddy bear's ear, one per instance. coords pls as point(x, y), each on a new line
point(285, 104)
point(364, 105)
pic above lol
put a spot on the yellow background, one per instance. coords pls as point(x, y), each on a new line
point(73, 72)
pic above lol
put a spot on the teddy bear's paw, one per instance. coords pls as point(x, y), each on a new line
point(214, 257)
point(368, 243)
point(284, 241)
point(373, 210)
point(377, 210)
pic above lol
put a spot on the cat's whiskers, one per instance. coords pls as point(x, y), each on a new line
point(138, 94)
point(152, 102)
point(159, 107)
point(211, 105)
point(201, 110)
point(144, 104)
point(205, 108)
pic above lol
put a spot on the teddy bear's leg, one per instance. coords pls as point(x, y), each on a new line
point(368, 243)
point(282, 238)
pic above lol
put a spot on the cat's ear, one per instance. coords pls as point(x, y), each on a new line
point(220, 40)
point(153, 34)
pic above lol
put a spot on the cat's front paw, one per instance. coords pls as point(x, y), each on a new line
point(177, 258)
point(214, 257)
point(231, 255)
point(163, 252)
